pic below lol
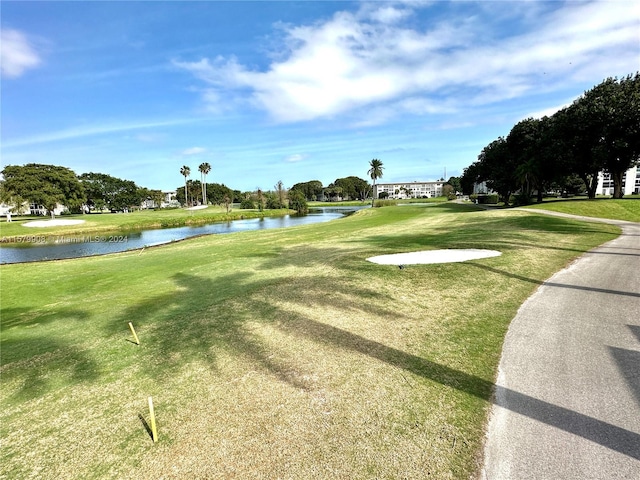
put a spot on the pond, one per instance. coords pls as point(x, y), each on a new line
point(99, 244)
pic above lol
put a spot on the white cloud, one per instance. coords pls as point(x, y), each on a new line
point(90, 130)
point(193, 151)
point(296, 157)
point(389, 14)
point(16, 53)
point(372, 66)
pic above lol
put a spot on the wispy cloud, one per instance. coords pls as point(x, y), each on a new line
point(375, 61)
point(17, 53)
point(296, 157)
point(193, 151)
point(90, 130)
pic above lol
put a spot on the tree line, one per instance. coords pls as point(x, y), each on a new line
point(52, 185)
point(599, 131)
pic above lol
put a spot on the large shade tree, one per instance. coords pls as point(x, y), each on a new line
point(311, 189)
point(615, 106)
point(103, 190)
point(46, 185)
point(498, 168)
point(577, 137)
point(353, 187)
point(375, 172)
point(535, 153)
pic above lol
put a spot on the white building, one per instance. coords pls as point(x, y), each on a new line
point(630, 182)
point(169, 199)
point(6, 208)
point(402, 190)
point(29, 209)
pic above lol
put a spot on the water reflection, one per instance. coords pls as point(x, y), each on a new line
point(100, 244)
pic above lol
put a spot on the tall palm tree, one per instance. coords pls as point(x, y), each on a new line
point(375, 172)
point(204, 168)
point(185, 172)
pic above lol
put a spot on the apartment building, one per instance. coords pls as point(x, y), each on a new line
point(630, 182)
point(402, 190)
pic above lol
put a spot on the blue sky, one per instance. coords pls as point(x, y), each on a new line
point(293, 91)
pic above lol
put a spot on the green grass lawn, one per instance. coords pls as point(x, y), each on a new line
point(624, 209)
point(272, 354)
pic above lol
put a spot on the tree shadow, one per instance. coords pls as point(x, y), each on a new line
point(600, 432)
point(552, 284)
point(628, 362)
point(635, 329)
point(603, 433)
point(512, 232)
point(51, 360)
point(181, 329)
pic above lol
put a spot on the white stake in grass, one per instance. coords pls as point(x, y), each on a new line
point(152, 415)
point(133, 330)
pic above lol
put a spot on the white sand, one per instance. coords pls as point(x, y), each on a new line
point(433, 256)
point(198, 207)
point(52, 223)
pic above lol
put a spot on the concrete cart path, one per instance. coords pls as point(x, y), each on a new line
point(567, 400)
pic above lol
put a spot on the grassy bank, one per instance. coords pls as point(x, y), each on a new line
point(359, 203)
point(139, 220)
point(272, 354)
point(624, 209)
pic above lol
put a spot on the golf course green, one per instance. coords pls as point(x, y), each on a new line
point(273, 354)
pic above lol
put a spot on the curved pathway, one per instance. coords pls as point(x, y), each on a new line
point(567, 399)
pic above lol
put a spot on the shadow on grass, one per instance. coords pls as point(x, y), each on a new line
point(552, 284)
point(146, 426)
point(203, 318)
point(42, 360)
point(511, 232)
point(602, 433)
point(195, 322)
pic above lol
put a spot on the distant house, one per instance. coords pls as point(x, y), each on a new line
point(5, 209)
point(630, 182)
point(170, 199)
point(403, 190)
point(35, 209)
point(481, 187)
point(30, 209)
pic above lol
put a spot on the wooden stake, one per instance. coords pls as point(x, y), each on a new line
point(152, 415)
point(134, 333)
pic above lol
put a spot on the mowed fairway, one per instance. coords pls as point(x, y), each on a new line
point(272, 354)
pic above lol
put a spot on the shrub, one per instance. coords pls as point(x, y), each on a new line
point(520, 199)
point(247, 204)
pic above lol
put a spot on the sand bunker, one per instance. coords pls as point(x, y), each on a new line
point(433, 256)
point(52, 223)
point(198, 207)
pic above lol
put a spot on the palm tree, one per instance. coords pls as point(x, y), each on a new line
point(375, 172)
point(204, 168)
point(185, 172)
